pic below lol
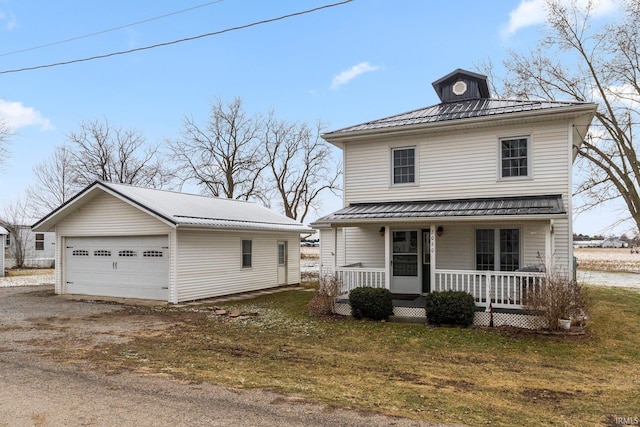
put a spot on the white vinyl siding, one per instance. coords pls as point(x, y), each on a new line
point(108, 216)
point(459, 165)
point(364, 245)
point(208, 263)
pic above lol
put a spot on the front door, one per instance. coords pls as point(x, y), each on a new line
point(426, 261)
point(406, 277)
point(282, 263)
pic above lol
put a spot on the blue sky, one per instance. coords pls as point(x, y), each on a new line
point(343, 65)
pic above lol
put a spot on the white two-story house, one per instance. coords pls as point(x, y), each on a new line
point(473, 194)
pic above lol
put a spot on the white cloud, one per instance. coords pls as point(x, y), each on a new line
point(8, 20)
point(533, 12)
point(347, 75)
point(17, 115)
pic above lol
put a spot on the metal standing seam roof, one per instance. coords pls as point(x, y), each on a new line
point(458, 110)
point(191, 210)
point(499, 206)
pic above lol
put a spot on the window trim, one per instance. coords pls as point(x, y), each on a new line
point(249, 253)
point(415, 166)
point(7, 240)
point(497, 254)
point(529, 174)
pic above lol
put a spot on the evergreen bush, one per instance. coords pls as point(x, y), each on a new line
point(450, 307)
point(371, 303)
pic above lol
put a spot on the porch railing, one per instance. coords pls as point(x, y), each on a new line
point(354, 277)
point(504, 289)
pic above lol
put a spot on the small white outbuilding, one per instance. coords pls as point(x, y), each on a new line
point(3, 237)
point(122, 241)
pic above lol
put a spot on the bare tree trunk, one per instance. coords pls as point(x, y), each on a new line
point(301, 164)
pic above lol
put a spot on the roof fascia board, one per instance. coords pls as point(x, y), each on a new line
point(49, 221)
point(196, 227)
point(559, 113)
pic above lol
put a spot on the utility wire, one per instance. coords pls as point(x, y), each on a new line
point(109, 30)
point(215, 33)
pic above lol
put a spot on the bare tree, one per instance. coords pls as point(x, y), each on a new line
point(301, 164)
point(106, 153)
point(224, 156)
point(5, 133)
point(582, 61)
point(16, 220)
point(55, 182)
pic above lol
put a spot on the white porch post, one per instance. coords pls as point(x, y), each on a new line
point(548, 243)
point(335, 248)
point(432, 255)
point(387, 257)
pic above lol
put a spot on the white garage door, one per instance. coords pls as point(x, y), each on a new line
point(129, 267)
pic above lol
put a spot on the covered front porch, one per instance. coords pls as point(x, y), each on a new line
point(498, 255)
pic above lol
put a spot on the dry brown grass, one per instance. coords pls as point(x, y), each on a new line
point(607, 259)
point(473, 376)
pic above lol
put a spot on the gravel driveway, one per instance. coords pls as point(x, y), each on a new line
point(43, 384)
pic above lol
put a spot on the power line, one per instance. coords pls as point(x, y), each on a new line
point(109, 30)
point(215, 33)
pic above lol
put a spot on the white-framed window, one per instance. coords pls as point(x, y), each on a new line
point(80, 252)
point(246, 253)
point(39, 241)
point(403, 165)
point(7, 241)
point(127, 253)
point(102, 252)
point(498, 249)
point(515, 157)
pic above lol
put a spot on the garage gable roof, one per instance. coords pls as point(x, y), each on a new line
point(183, 210)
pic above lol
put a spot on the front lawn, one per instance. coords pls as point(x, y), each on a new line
point(472, 376)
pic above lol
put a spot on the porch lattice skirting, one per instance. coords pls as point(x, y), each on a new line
point(481, 318)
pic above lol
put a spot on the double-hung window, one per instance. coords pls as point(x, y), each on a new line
point(39, 241)
point(246, 253)
point(514, 157)
point(498, 249)
point(403, 165)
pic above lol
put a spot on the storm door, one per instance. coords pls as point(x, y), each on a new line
point(404, 262)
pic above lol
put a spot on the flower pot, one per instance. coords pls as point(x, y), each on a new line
point(564, 323)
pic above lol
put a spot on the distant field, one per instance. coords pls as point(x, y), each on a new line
point(600, 259)
point(310, 252)
point(608, 259)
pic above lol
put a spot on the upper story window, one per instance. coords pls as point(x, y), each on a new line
point(514, 157)
point(7, 241)
point(39, 241)
point(404, 165)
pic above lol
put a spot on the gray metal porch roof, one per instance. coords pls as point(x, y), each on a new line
point(498, 206)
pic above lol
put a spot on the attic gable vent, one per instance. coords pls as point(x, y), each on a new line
point(462, 85)
point(459, 87)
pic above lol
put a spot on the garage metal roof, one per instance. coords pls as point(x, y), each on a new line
point(184, 210)
point(457, 110)
point(499, 206)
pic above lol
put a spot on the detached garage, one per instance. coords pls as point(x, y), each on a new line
point(118, 240)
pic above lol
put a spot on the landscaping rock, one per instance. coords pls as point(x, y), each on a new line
point(220, 312)
point(234, 314)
